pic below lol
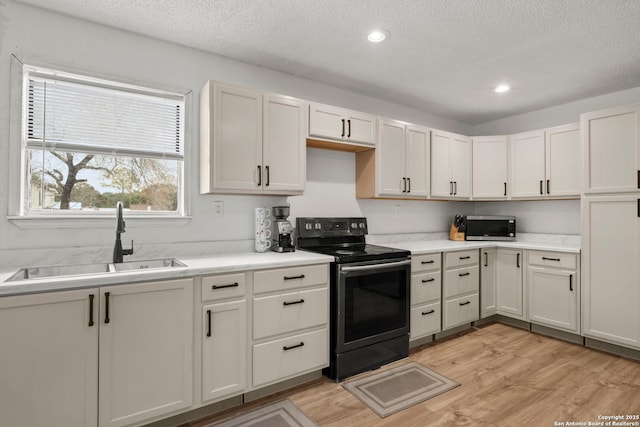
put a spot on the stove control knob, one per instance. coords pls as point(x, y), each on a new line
point(318, 226)
point(354, 225)
point(308, 226)
point(361, 225)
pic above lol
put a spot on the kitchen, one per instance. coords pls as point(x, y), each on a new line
point(330, 182)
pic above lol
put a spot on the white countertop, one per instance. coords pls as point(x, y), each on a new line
point(422, 247)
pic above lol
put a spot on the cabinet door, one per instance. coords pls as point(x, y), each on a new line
point(527, 165)
point(611, 147)
point(564, 165)
point(224, 328)
point(284, 145)
point(488, 282)
point(361, 128)
point(326, 121)
point(237, 139)
point(461, 166)
point(146, 351)
point(390, 158)
point(441, 182)
point(510, 295)
point(610, 269)
point(425, 320)
point(417, 144)
point(553, 298)
point(490, 167)
point(49, 359)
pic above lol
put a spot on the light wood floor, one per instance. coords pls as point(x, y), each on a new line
point(508, 377)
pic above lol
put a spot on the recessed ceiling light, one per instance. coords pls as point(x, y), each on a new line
point(376, 36)
point(502, 88)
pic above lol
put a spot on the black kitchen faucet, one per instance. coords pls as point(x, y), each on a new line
point(118, 252)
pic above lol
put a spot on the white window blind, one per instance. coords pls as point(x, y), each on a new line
point(80, 117)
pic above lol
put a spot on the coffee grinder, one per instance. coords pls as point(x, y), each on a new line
point(282, 241)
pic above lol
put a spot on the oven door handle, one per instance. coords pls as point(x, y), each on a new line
point(374, 266)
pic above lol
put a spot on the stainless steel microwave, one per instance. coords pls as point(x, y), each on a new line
point(490, 227)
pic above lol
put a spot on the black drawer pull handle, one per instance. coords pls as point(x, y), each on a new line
point(432, 279)
point(91, 296)
point(294, 277)
point(300, 301)
point(550, 259)
point(208, 323)
point(571, 282)
point(465, 303)
point(285, 348)
point(232, 285)
point(424, 313)
point(465, 257)
point(427, 262)
point(106, 307)
point(463, 274)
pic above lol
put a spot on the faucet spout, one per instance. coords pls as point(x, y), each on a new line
point(118, 252)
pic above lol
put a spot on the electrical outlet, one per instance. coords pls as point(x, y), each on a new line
point(218, 209)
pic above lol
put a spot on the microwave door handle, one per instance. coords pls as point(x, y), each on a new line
point(374, 266)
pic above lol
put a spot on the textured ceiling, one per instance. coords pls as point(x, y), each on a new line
point(443, 56)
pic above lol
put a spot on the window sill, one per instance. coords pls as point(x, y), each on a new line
point(42, 222)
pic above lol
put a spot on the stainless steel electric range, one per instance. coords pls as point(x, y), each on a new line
point(370, 285)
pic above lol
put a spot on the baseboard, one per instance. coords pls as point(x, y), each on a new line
point(453, 331)
point(513, 322)
point(628, 353)
point(558, 334)
point(198, 413)
point(421, 341)
point(284, 385)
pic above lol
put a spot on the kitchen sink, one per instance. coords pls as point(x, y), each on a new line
point(30, 273)
point(148, 264)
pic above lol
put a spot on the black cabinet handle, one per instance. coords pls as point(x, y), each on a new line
point(259, 175)
point(571, 282)
point(455, 187)
point(424, 313)
point(349, 134)
point(505, 188)
point(285, 348)
point(465, 257)
point(463, 274)
point(409, 182)
point(638, 208)
point(428, 262)
point(294, 277)
point(404, 184)
point(300, 301)
point(91, 296)
point(550, 259)
point(486, 259)
point(208, 323)
point(465, 303)
point(638, 179)
point(518, 260)
point(342, 128)
point(432, 279)
point(266, 169)
point(451, 188)
point(548, 188)
point(106, 307)
point(232, 285)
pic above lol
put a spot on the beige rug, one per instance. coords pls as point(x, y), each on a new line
point(279, 414)
point(396, 389)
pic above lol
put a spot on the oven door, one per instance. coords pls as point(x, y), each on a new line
point(372, 302)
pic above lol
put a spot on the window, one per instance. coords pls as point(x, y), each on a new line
point(89, 143)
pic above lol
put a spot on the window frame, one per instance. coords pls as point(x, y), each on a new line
point(17, 186)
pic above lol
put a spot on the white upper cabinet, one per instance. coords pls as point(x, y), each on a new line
point(611, 146)
point(251, 143)
point(339, 124)
point(450, 165)
point(490, 167)
point(563, 161)
point(417, 153)
point(527, 164)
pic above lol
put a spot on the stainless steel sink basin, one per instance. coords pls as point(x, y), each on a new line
point(148, 264)
point(96, 268)
point(59, 270)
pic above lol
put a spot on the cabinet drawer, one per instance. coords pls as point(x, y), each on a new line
point(425, 320)
point(554, 259)
point(425, 287)
point(461, 281)
point(461, 310)
point(290, 278)
point(287, 357)
point(462, 258)
point(425, 262)
point(288, 312)
point(223, 286)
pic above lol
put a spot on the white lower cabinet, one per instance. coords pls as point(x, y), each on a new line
point(426, 282)
point(49, 359)
point(460, 288)
point(146, 351)
point(488, 282)
point(510, 295)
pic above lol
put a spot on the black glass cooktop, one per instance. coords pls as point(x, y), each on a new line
point(359, 252)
